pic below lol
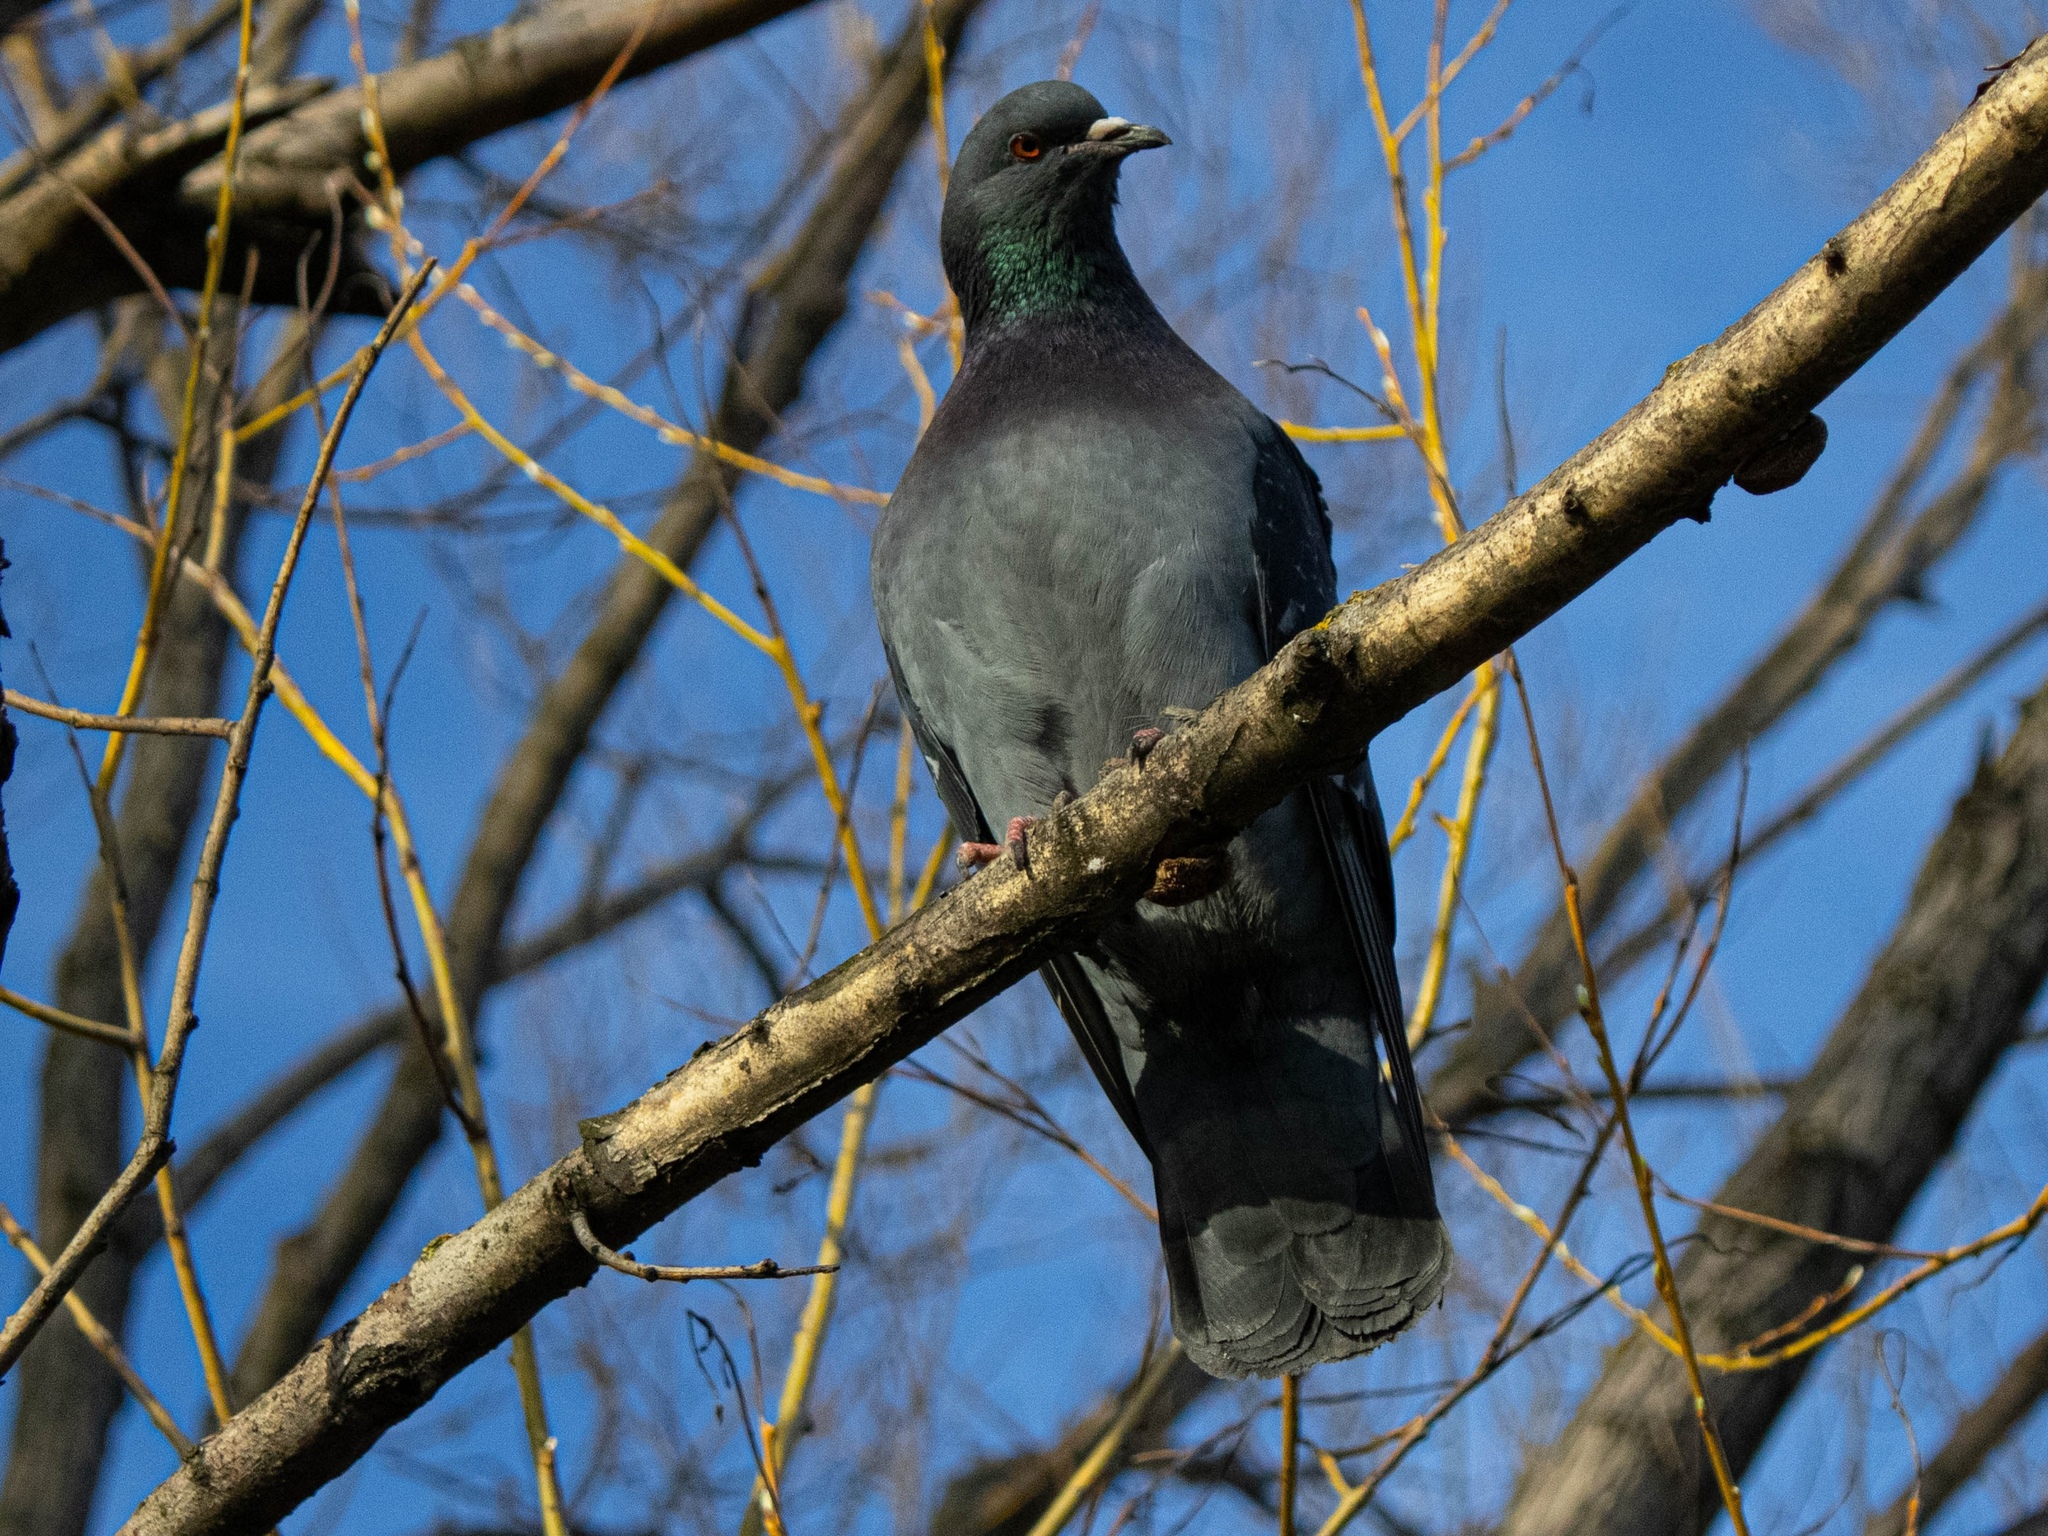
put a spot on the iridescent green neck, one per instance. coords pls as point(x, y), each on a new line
point(1032, 271)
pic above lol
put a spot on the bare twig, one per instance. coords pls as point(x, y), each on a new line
point(70, 1023)
point(626, 1264)
point(85, 721)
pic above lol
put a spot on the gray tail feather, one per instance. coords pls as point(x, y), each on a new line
point(1278, 1258)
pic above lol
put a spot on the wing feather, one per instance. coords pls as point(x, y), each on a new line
point(1063, 976)
point(1296, 586)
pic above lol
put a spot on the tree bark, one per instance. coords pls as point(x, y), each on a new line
point(1313, 709)
point(512, 74)
point(1858, 1137)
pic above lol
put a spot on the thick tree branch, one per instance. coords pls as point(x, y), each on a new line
point(305, 148)
point(1887, 563)
point(56, 260)
point(1880, 1107)
point(1313, 709)
point(527, 68)
point(95, 106)
point(785, 319)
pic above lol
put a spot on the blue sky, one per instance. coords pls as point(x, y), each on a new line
point(1659, 193)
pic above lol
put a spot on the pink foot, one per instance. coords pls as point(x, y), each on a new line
point(972, 856)
point(1143, 741)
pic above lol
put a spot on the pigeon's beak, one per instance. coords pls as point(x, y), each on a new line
point(1115, 136)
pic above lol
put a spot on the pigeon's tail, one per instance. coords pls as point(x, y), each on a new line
point(1298, 1225)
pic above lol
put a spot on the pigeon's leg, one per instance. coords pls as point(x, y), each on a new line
point(1143, 740)
point(972, 856)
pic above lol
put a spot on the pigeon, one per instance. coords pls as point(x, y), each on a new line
point(1098, 533)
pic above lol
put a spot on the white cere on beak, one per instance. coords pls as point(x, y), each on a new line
point(1107, 128)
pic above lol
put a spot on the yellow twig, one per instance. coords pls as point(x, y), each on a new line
point(935, 96)
point(603, 516)
point(933, 863)
point(196, 345)
point(1419, 790)
point(1478, 40)
point(455, 1025)
point(817, 1314)
point(1380, 434)
point(1596, 1025)
point(2013, 1231)
point(1478, 753)
point(1397, 187)
point(1105, 1449)
point(1535, 1223)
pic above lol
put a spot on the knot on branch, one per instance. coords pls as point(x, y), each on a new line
point(1786, 460)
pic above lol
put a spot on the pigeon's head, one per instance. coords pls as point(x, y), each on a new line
point(1030, 225)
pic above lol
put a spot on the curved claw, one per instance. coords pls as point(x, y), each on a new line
point(972, 856)
point(1014, 840)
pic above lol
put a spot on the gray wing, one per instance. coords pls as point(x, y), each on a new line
point(1063, 976)
point(1296, 587)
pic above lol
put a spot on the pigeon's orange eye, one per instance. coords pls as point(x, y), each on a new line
point(1025, 146)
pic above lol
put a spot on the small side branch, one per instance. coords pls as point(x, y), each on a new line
point(161, 726)
point(626, 1264)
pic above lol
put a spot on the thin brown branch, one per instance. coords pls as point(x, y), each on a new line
point(626, 1264)
point(104, 1342)
point(1976, 1436)
point(145, 724)
point(70, 1023)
